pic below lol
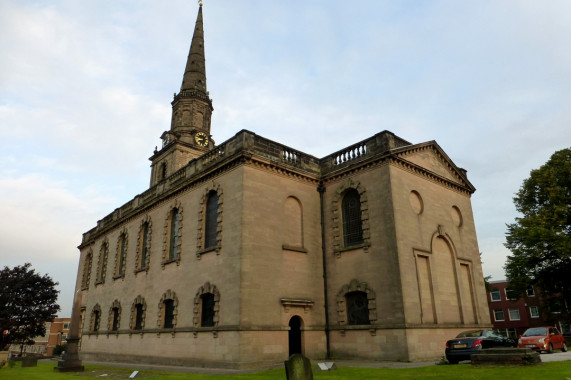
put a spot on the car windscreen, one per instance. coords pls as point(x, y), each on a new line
point(536, 331)
point(470, 334)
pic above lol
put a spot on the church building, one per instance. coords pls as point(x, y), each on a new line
point(243, 252)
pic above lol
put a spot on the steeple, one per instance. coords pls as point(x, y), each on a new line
point(189, 134)
point(195, 72)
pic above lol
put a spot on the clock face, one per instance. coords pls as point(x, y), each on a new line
point(166, 140)
point(201, 138)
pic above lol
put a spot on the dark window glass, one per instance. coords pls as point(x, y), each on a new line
point(163, 173)
point(211, 222)
point(123, 254)
point(96, 320)
point(175, 225)
point(207, 310)
point(357, 308)
point(169, 314)
point(138, 316)
point(115, 325)
point(145, 247)
point(352, 230)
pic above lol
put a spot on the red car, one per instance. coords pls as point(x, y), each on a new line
point(542, 339)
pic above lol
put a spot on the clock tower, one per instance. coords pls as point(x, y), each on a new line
point(189, 134)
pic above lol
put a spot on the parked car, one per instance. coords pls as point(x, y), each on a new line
point(542, 339)
point(471, 342)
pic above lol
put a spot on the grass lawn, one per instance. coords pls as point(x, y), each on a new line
point(551, 371)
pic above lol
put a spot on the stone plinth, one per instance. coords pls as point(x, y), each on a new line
point(509, 356)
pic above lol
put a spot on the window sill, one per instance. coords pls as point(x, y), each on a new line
point(119, 276)
point(166, 262)
point(352, 247)
point(286, 247)
point(206, 250)
point(141, 270)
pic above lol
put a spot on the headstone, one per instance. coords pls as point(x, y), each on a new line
point(133, 374)
point(29, 361)
point(327, 366)
point(298, 367)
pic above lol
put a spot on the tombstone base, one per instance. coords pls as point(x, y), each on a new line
point(510, 356)
point(69, 366)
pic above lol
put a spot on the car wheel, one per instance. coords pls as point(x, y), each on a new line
point(564, 348)
point(550, 349)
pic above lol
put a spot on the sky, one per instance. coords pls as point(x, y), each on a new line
point(86, 86)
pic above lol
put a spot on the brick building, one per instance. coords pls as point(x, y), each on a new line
point(56, 333)
point(512, 315)
point(244, 252)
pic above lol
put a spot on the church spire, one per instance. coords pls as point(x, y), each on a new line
point(189, 135)
point(195, 71)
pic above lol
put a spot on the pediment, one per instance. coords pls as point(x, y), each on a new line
point(429, 156)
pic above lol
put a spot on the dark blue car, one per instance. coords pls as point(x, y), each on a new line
point(470, 342)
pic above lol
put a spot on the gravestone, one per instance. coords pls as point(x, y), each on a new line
point(298, 367)
point(29, 361)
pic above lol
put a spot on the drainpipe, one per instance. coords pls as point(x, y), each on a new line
point(321, 190)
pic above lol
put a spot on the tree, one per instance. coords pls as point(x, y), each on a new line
point(27, 301)
point(540, 241)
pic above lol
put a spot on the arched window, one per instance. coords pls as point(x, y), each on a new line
point(211, 220)
point(144, 245)
point(121, 255)
point(87, 271)
point(163, 171)
point(207, 306)
point(138, 313)
point(114, 316)
point(95, 318)
point(174, 234)
point(352, 228)
point(102, 267)
point(357, 308)
point(207, 315)
point(169, 314)
point(356, 303)
point(167, 310)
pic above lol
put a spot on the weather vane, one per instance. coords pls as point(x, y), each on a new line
point(200, 2)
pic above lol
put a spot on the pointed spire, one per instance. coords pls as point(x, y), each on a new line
point(195, 71)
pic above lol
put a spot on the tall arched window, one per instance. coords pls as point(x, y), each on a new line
point(163, 171)
point(352, 224)
point(86, 271)
point(102, 267)
point(121, 255)
point(174, 234)
point(357, 308)
point(144, 245)
point(211, 220)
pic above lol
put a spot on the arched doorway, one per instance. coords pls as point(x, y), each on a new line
point(294, 335)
